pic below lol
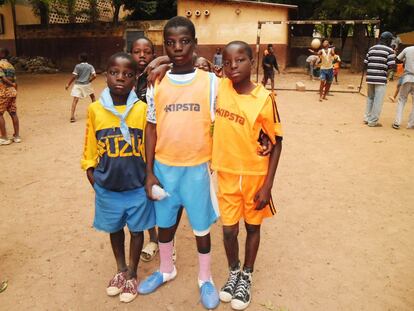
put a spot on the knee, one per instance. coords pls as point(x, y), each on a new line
point(252, 229)
point(138, 234)
point(230, 233)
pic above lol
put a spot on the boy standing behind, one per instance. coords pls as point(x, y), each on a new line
point(83, 75)
point(114, 164)
point(178, 147)
point(245, 178)
point(8, 94)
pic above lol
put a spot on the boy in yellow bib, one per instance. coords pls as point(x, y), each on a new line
point(244, 112)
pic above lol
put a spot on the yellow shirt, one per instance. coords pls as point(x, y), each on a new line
point(239, 122)
point(118, 165)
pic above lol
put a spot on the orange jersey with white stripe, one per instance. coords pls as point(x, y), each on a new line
point(239, 121)
point(183, 121)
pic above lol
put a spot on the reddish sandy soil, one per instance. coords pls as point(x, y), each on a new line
point(343, 238)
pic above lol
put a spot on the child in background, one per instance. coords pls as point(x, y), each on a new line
point(327, 75)
point(115, 167)
point(244, 112)
point(203, 64)
point(8, 94)
point(336, 67)
point(312, 61)
point(178, 148)
point(83, 75)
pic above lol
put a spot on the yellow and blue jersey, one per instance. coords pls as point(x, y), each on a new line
point(118, 165)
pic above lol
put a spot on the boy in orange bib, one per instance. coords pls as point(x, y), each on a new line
point(244, 112)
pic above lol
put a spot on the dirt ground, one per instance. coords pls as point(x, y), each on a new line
point(343, 238)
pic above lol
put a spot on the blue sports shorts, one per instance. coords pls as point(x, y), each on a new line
point(191, 187)
point(327, 75)
point(114, 210)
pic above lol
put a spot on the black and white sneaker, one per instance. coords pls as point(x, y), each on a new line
point(241, 298)
point(227, 291)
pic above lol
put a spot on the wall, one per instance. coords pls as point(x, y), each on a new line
point(25, 16)
point(64, 42)
point(7, 39)
point(224, 25)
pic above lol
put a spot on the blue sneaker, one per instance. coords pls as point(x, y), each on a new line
point(208, 294)
point(155, 280)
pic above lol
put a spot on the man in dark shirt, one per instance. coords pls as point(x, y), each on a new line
point(269, 61)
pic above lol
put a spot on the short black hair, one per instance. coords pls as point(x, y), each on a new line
point(83, 57)
point(243, 45)
point(124, 55)
point(180, 21)
point(270, 45)
point(143, 38)
point(5, 52)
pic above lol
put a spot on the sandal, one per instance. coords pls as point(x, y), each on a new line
point(3, 286)
point(72, 120)
point(149, 251)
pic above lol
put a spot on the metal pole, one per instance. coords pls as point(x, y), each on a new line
point(259, 27)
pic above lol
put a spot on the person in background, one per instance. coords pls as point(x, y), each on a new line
point(269, 62)
point(312, 61)
point(218, 58)
point(406, 88)
point(336, 67)
point(83, 75)
point(379, 60)
point(8, 94)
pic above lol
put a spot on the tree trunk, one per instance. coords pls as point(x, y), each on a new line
point(117, 9)
point(358, 48)
point(13, 9)
point(44, 14)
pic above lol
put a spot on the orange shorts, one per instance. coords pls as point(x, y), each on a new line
point(236, 199)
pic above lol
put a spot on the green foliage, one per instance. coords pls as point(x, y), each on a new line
point(149, 10)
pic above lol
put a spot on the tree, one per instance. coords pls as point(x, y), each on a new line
point(41, 8)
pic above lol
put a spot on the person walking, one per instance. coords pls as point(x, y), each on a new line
point(380, 58)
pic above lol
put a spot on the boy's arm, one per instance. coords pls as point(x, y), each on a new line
point(93, 75)
point(90, 151)
point(70, 81)
point(262, 197)
point(272, 127)
point(276, 65)
point(160, 60)
point(8, 81)
point(150, 141)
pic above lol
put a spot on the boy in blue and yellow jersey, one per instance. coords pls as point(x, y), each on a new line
point(178, 147)
point(114, 162)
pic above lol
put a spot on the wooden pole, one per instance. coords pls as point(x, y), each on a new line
point(259, 27)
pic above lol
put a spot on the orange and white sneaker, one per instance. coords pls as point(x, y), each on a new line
point(117, 284)
point(129, 292)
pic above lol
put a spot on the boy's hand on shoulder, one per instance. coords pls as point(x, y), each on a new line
point(157, 74)
point(262, 197)
point(149, 182)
